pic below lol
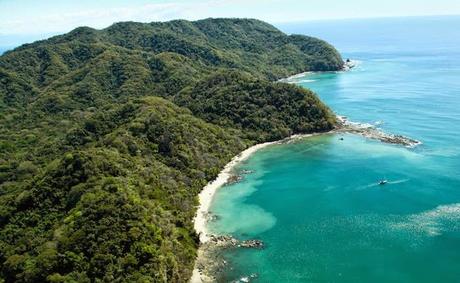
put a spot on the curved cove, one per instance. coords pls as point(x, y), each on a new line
point(316, 203)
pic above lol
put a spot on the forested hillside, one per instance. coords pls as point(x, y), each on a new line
point(107, 136)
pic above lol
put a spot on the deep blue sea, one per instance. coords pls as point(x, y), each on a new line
point(316, 203)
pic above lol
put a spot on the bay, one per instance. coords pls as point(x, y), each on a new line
point(316, 203)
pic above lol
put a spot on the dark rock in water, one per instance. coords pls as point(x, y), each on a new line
point(214, 217)
point(257, 244)
point(398, 139)
point(210, 217)
point(225, 241)
point(349, 64)
point(234, 179)
point(211, 262)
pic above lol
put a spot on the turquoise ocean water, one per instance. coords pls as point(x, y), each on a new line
point(315, 203)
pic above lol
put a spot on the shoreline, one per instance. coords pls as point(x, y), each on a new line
point(200, 272)
point(347, 66)
point(203, 263)
point(372, 132)
point(207, 194)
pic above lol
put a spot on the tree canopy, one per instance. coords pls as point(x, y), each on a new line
point(107, 137)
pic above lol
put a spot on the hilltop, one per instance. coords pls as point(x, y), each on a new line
point(107, 137)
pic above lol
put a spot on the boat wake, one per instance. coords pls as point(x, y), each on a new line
point(376, 184)
point(398, 181)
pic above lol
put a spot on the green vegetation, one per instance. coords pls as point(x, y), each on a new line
point(107, 136)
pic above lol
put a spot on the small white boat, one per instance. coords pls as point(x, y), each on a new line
point(383, 182)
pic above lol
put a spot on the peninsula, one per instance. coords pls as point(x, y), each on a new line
point(108, 136)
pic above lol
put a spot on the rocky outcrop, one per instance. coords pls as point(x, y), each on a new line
point(234, 179)
point(210, 217)
point(348, 65)
point(225, 241)
point(370, 131)
point(255, 244)
point(210, 263)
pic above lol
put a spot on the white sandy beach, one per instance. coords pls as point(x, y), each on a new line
point(207, 194)
point(209, 190)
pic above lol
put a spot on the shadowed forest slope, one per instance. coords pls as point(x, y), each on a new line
point(107, 136)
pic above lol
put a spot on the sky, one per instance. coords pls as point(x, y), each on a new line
point(22, 19)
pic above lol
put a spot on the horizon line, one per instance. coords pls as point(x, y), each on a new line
point(54, 33)
point(370, 18)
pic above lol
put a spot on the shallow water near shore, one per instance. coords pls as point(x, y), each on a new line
point(316, 203)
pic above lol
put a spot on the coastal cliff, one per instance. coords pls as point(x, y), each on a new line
point(108, 136)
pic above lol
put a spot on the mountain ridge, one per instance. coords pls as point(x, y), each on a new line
point(107, 137)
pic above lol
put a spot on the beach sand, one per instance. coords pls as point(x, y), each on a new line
point(207, 194)
point(209, 190)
